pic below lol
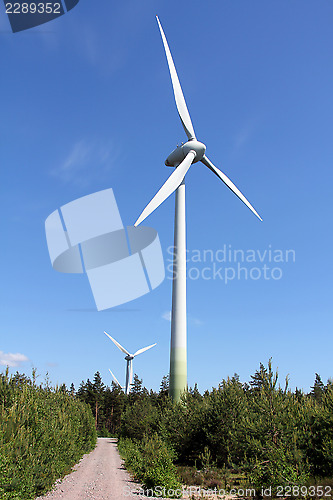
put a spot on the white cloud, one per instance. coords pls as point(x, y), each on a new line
point(167, 315)
point(86, 160)
point(52, 364)
point(195, 321)
point(246, 131)
point(78, 156)
point(9, 359)
point(243, 136)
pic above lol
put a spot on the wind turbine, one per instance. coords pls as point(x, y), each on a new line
point(182, 158)
point(129, 358)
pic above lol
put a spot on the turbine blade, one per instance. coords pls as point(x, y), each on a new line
point(140, 351)
point(117, 344)
point(168, 187)
point(115, 379)
point(177, 90)
point(229, 184)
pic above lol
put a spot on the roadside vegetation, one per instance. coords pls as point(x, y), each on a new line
point(151, 462)
point(257, 434)
point(44, 431)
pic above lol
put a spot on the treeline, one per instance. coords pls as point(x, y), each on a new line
point(44, 431)
point(257, 432)
point(268, 434)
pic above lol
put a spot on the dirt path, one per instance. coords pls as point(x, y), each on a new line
point(100, 475)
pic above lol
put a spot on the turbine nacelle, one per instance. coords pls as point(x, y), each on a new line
point(179, 154)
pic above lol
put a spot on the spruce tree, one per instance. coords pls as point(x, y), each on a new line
point(318, 389)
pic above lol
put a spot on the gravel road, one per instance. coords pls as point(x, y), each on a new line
point(100, 475)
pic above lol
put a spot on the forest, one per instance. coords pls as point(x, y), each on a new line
point(256, 433)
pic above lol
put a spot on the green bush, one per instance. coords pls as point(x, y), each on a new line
point(132, 455)
point(279, 469)
point(43, 433)
point(151, 462)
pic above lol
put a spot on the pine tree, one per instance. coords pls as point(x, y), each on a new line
point(136, 385)
point(98, 392)
point(258, 378)
point(98, 385)
point(164, 387)
point(318, 389)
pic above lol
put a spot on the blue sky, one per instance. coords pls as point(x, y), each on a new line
point(87, 104)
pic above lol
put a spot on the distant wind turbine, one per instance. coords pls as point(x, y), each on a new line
point(182, 158)
point(129, 358)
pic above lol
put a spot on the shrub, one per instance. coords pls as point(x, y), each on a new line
point(44, 432)
point(151, 462)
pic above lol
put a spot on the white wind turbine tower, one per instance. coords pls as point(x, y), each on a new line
point(182, 158)
point(129, 358)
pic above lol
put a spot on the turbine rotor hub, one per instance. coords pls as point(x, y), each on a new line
point(179, 154)
point(198, 147)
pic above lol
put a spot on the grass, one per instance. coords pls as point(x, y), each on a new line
point(227, 480)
